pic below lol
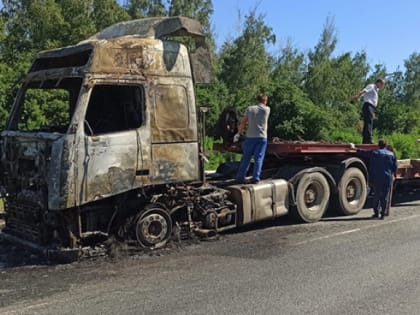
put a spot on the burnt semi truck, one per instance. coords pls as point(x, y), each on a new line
point(124, 157)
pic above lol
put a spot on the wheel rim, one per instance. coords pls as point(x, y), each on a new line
point(313, 196)
point(353, 191)
point(153, 228)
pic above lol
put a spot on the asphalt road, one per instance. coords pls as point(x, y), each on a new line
point(341, 265)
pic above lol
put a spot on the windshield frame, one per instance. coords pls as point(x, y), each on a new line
point(31, 82)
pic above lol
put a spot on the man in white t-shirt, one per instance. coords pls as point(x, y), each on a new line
point(370, 102)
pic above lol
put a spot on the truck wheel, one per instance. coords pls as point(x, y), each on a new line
point(352, 191)
point(153, 228)
point(312, 196)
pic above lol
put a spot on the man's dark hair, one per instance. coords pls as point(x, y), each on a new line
point(261, 97)
point(382, 144)
point(379, 81)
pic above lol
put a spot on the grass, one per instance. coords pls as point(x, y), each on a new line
point(1, 206)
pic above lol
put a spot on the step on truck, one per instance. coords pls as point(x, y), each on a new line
point(124, 157)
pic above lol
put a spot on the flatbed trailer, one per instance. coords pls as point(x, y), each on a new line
point(408, 171)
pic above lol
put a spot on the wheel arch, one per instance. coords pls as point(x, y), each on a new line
point(352, 162)
point(293, 181)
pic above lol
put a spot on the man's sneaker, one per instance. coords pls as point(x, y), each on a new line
point(382, 216)
point(375, 216)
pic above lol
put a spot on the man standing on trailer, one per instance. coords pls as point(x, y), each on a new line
point(382, 168)
point(370, 102)
point(255, 144)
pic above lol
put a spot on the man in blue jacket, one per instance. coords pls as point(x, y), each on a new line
point(382, 168)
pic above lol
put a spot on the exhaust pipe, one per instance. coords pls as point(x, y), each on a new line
point(207, 233)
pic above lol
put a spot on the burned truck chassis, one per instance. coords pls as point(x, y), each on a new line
point(150, 217)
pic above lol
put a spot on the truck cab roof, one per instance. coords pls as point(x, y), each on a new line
point(141, 47)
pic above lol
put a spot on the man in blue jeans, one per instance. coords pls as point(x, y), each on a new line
point(255, 144)
point(382, 168)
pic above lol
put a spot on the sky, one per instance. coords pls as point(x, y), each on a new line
point(388, 30)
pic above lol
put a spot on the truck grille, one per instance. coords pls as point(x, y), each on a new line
point(24, 221)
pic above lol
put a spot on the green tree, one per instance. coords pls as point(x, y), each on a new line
point(347, 78)
point(201, 10)
point(289, 65)
point(294, 116)
point(396, 117)
point(79, 23)
point(217, 97)
point(30, 26)
point(397, 110)
point(411, 84)
point(319, 80)
point(331, 80)
point(7, 75)
point(107, 12)
point(245, 65)
point(145, 8)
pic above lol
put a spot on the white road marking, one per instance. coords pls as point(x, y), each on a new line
point(368, 227)
point(326, 237)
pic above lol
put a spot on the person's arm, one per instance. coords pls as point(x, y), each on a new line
point(241, 128)
point(355, 97)
point(394, 166)
point(242, 125)
point(364, 153)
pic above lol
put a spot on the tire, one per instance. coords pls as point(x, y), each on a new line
point(312, 197)
point(153, 228)
point(228, 169)
point(351, 191)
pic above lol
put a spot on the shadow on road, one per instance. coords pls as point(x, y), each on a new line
point(401, 196)
point(12, 255)
point(281, 221)
point(335, 219)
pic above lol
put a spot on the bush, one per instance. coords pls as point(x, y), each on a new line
point(346, 136)
point(405, 145)
point(216, 158)
point(398, 118)
point(294, 116)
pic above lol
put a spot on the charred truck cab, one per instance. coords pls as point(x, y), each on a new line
point(124, 156)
